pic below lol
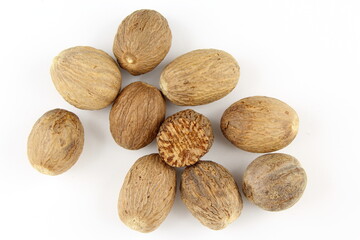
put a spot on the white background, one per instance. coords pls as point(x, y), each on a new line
point(306, 53)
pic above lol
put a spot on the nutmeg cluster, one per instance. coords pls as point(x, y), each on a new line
point(90, 79)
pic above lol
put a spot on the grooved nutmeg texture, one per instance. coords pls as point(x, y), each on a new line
point(184, 138)
point(260, 124)
point(86, 77)
point(55, 142)
point(211, 194)
point(142, 41)
point(199, 77)
point(274, 182)
point(136, 115)
point(147, 194)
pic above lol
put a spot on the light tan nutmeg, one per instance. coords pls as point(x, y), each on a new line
point(274, 182)
point(86, 77)
point(260, 124)
point(147, 194)
point(199, 77)
point(211, 194)
point(142, 41)
point(136, 115)
point(55, 142)
point(184, 138)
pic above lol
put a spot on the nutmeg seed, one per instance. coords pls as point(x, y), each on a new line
point(210, 193)
point(260, 124)
point(274, 182)
point(86, 77)
point(142, 41)
point(199, 77)
point(184, 138)
point(136, 115)
point(55, 142)
point(147, 194)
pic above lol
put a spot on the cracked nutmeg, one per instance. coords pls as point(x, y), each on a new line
point(142, 41)
point(147, 194)
point(211, 194)
point(55, 142)
point(184, 138)
point(260, 124)
point(136, 115)
point(274, 181)
point(199, 77)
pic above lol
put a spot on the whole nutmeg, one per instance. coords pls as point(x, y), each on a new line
point(211, 194)
point(274, 182)
point(147, 194)
point(260, 124)
point(136, 115)
point(86, 77)
point(55, 142)
point(142, 41)
point(184, 138)
point(199, 77)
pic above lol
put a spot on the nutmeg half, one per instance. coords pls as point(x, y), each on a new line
point(184, 138)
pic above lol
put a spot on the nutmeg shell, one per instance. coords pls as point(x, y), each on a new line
point(260, 124)
point(86, 77)
point(142, 41)
point(210, 193)
point(136, 115)
point(147, 194)
point(274, 181)
point(55, 142)
point(184, 138)
point(199, 77)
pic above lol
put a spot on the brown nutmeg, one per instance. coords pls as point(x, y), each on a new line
point(136, 115)
point(142, 41)
point(147, 194)
point(274, 182)
point(210, 193)
point(184, 138)
point(199, 77)
point(260, 124)
point(86, 77)
point(55, 142)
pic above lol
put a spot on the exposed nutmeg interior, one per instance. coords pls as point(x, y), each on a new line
point(184, 138)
